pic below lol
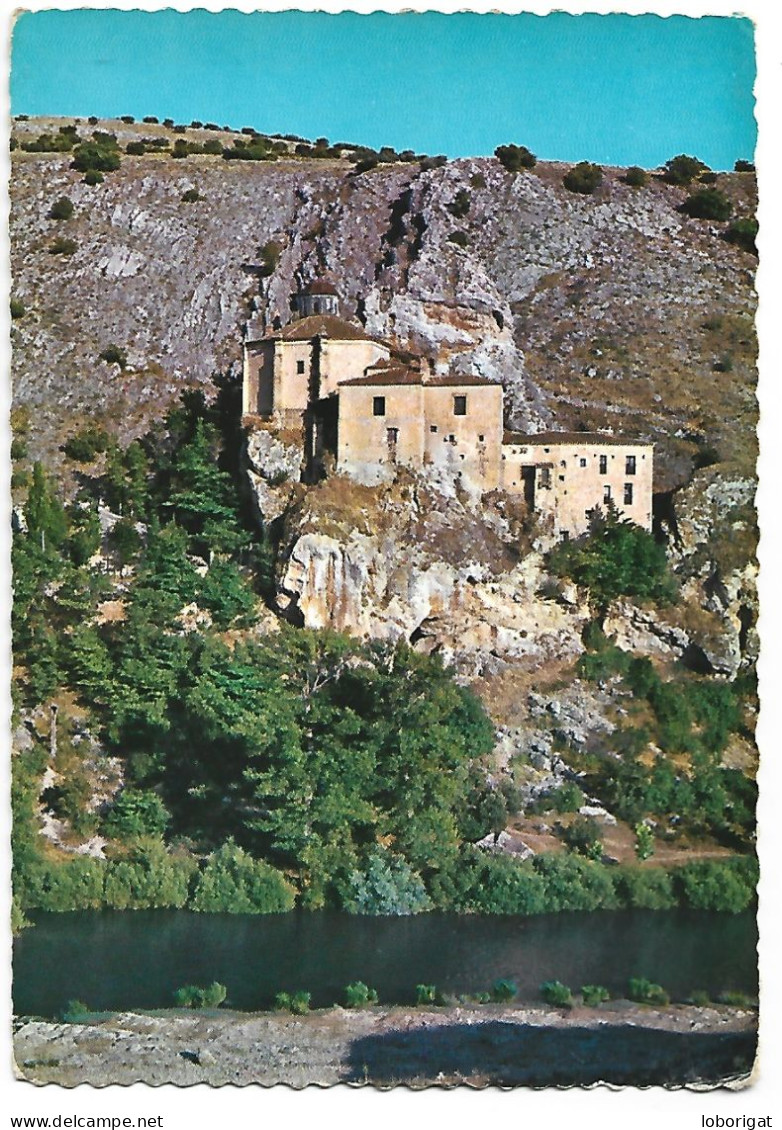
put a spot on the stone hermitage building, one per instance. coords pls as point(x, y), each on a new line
point(350, 397)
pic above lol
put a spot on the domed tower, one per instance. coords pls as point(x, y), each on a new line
point(318, 297)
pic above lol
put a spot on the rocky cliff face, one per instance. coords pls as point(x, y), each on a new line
point(613, 309)
point(406, 562)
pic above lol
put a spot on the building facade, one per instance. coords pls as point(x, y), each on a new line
point(567, 475)
point(351, 398)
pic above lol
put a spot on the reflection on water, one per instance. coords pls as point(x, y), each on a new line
point(135, 959)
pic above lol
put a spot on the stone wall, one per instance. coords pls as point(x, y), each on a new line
point(466, 446)
point(572, 478)
point(372, 446)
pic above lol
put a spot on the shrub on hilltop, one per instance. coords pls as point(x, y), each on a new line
point(636, 177)
point(583, 178)
point(514, 158)
point(682, 170)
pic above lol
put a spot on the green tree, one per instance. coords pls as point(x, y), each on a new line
point(460, 205)
point(644, 841)
point(708, 204)
point(43, 511)
point(227, 596)
point(615, 558)
point(86, 444)
point(124, 540)
point(235, 883)
point(514, 158)
point(648, 888)
point(636, 177)
point(584, 837)
point(96, 156)
point(724, 885)
point(682, 170)
point(114, 355)
point(583, 178)
point(743, 233)
point(136, 813)
point(149, 877)
point(202, 499)
point(61, 209)
point(388, 886)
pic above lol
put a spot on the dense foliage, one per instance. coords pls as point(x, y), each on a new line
point(235, 883)
point(636, 177)
point(264, 768)
point(305, 750)
point(615, 558)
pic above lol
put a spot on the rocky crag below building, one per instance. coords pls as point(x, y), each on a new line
point(423, 561)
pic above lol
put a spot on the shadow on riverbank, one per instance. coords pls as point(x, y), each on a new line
point(511, 1054)
point(506, 1045)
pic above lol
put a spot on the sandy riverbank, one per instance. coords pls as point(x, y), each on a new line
point(517, 1045)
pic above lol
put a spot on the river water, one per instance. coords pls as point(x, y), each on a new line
point(122, 960)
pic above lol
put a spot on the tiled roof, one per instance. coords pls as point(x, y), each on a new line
point(580, 439)
point(466, 381)
point(320, 325)
point(319, 286)
point(385, 377)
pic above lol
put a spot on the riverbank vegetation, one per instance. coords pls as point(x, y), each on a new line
point(357, 995)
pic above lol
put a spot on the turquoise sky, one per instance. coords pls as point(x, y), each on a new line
point(615, 89)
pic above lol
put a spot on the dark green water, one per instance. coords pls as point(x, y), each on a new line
point(135, 959)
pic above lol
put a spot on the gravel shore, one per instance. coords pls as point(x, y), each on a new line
point(618, 1043)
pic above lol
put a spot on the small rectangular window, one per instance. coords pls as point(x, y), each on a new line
point(603, 464)
point(481, 439)
point(628, 494)
point(460, 406)
point(582, 462)
point(378, 406)
point(299, 366)
point(606, 493)
point(433, 428)
point(630, 465)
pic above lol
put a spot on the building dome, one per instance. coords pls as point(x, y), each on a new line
point(317, 297)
